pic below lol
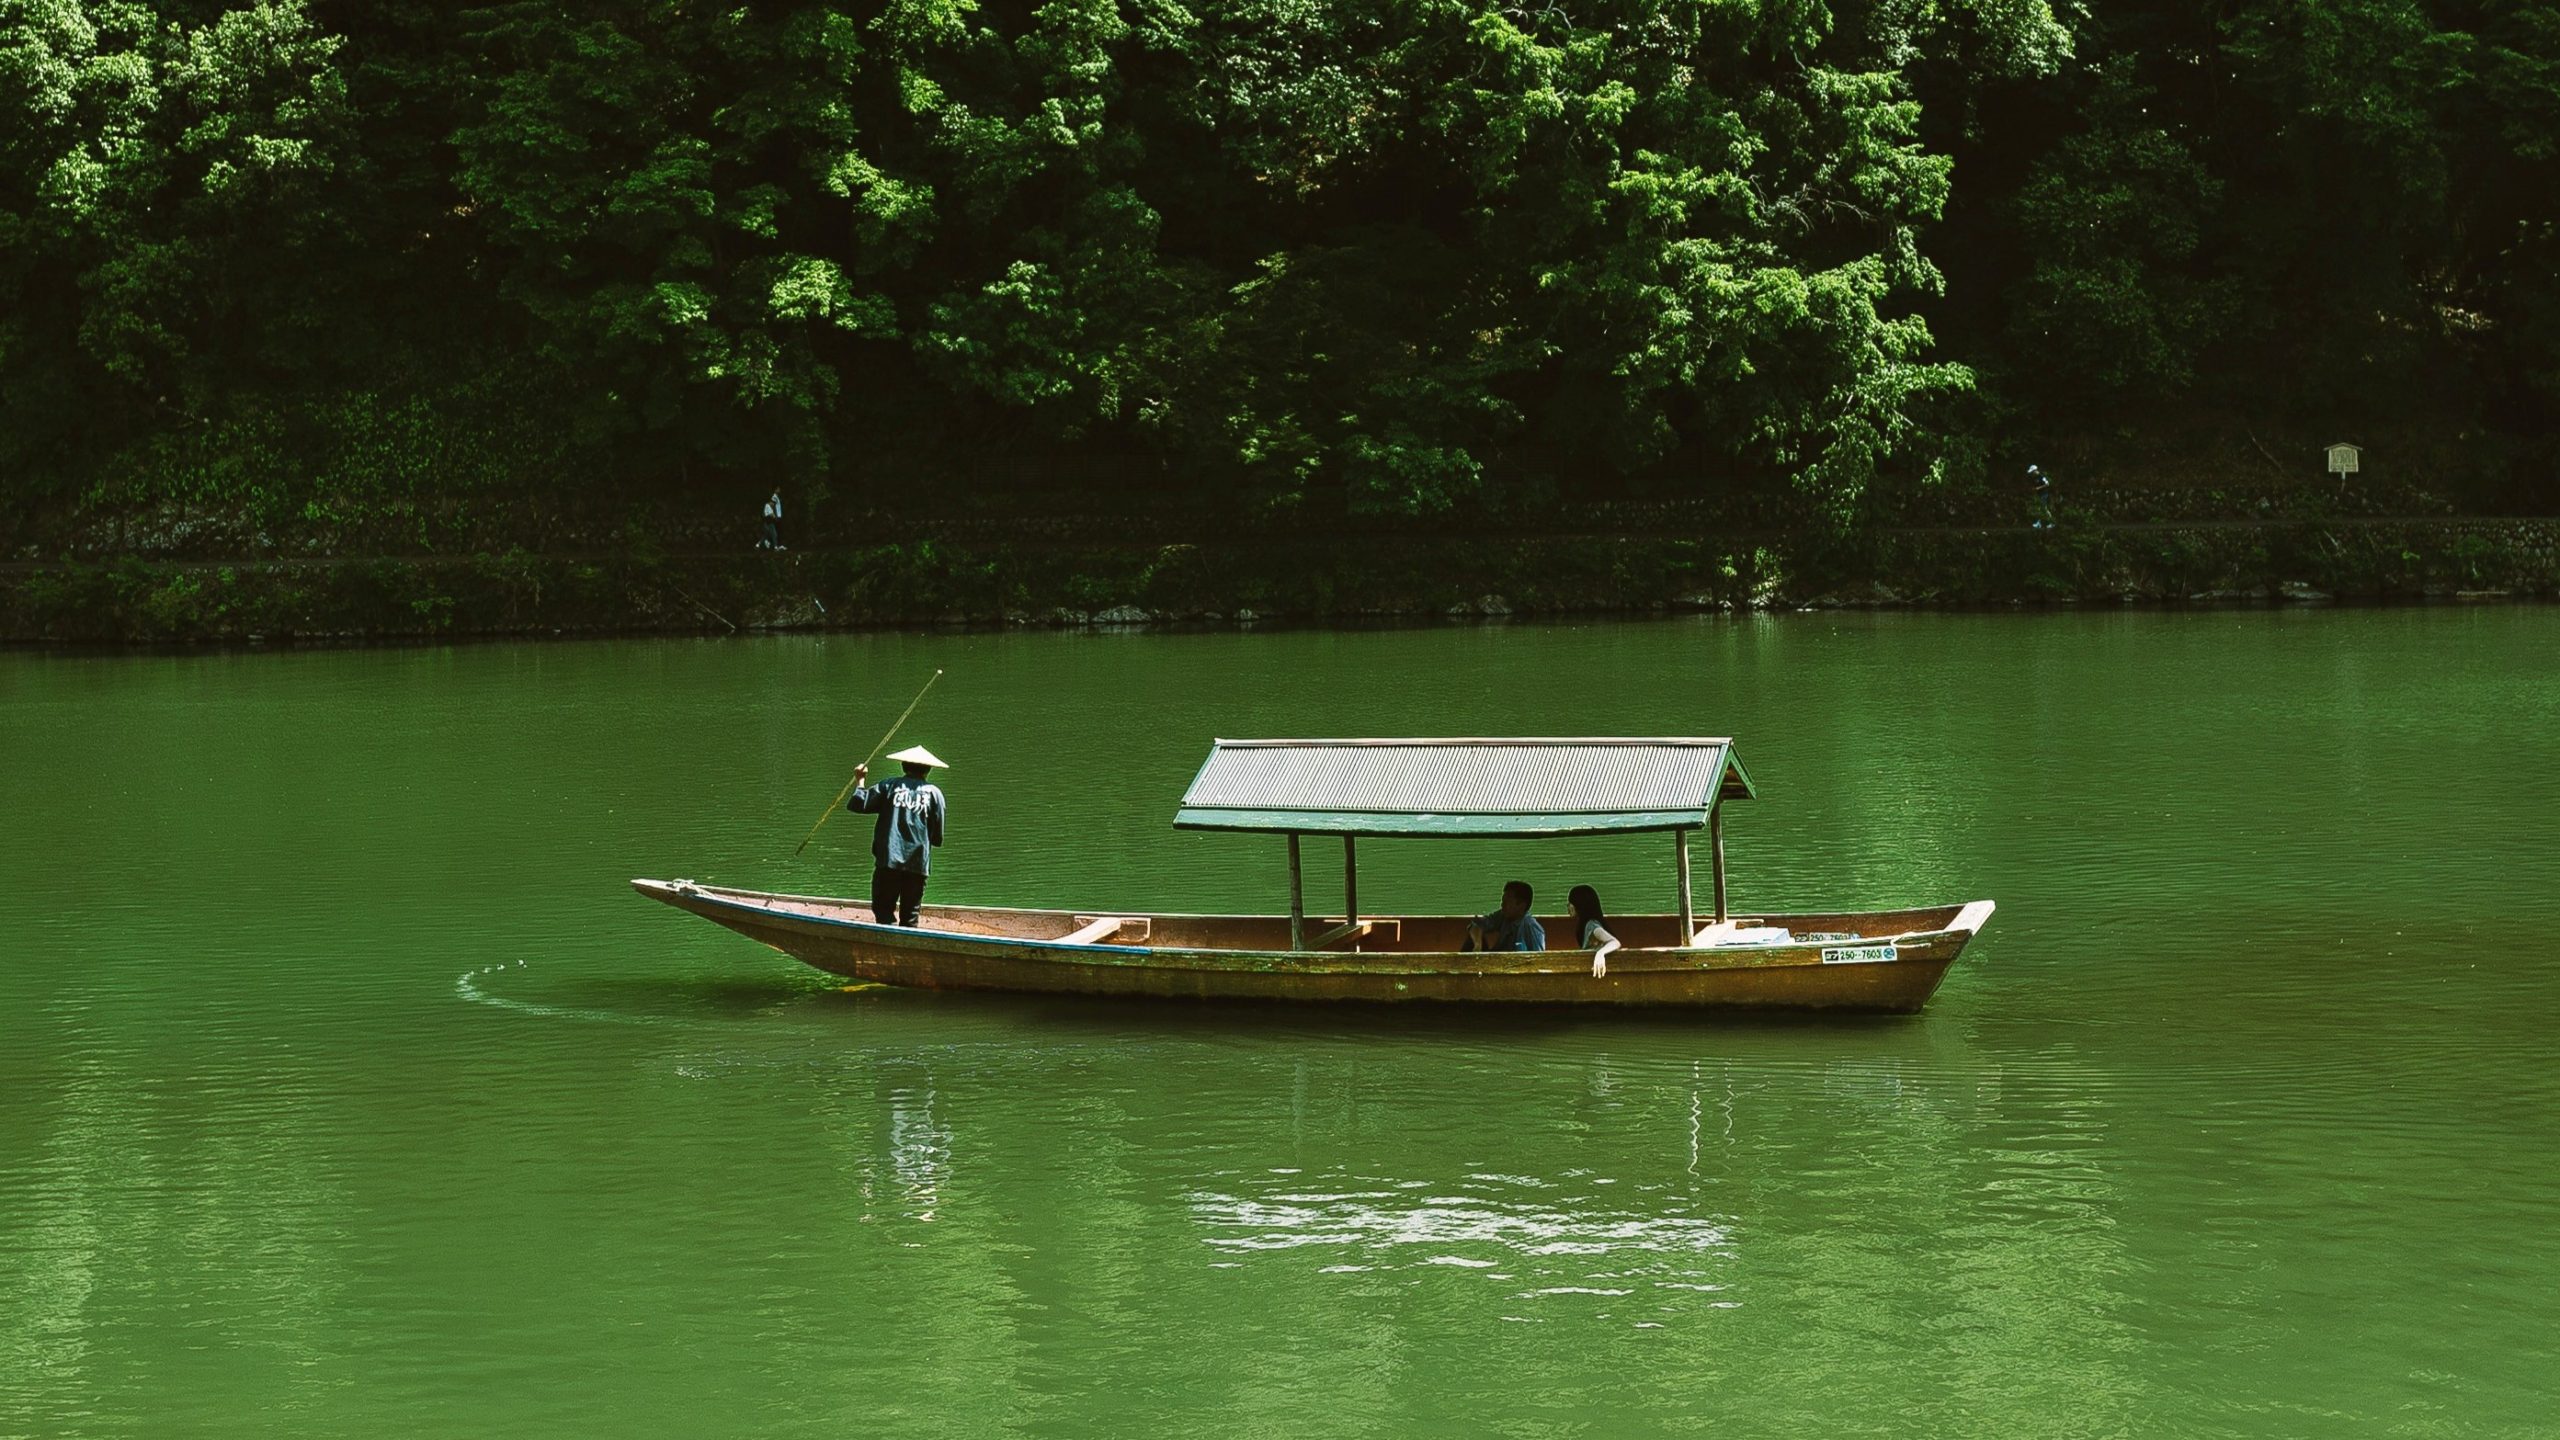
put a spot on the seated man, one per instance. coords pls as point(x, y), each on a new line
point(1510, 928)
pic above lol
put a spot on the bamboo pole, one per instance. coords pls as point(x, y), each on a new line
point(865, 765)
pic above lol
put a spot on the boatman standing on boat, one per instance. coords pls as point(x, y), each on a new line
point(910, 809)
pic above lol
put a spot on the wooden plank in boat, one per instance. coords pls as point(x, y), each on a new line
point(1094, 929)
point(1388, 930)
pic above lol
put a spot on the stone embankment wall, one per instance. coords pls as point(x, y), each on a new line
point(480, 524)
point(639, 586)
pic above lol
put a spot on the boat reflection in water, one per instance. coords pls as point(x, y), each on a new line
point(1574, 1235)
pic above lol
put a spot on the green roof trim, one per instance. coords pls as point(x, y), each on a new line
point(1514, 827)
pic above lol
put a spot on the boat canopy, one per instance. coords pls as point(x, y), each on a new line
point(1523, 788)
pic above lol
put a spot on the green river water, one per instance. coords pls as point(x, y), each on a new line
point(345, 1089)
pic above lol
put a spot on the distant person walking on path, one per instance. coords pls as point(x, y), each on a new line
point(902, 844)
point(2042, 519)
point(773, 524)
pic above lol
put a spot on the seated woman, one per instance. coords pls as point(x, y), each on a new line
point(1587, 924)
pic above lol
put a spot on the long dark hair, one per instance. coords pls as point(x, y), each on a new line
point(1586, 906)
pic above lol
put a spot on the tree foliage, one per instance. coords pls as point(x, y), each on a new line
point(2331, 210)
point(1396, 256)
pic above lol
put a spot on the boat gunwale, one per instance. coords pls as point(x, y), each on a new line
point(1793, 953)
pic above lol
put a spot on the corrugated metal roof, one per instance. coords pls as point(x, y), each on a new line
point(1461, 787)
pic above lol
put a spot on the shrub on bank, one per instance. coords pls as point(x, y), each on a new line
point(1332, 579)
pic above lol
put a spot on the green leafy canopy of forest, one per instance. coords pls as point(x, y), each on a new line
point(1390, 258)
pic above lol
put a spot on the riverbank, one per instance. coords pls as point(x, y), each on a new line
point(639, 589)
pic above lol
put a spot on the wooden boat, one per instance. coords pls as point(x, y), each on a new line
point(1883, 960)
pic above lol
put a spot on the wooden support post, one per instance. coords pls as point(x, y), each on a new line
point(1688, 912)
point(1297, 898)
point(1715, 830)
point(1350, 883)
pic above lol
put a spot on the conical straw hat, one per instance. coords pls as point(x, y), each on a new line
point(918, 755)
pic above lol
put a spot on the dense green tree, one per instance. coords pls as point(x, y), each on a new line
point(642, 177)
point(2315, 211)
point(166, 220)
point(1399, 256)
point(2115, 220)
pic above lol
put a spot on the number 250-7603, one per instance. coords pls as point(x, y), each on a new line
point(1859, 954)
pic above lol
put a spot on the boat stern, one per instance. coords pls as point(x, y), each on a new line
point(1970, 920)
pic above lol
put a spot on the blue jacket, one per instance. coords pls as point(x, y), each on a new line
point(910, 812)
point(1527, 935)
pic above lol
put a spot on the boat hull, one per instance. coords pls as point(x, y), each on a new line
point(986, 948)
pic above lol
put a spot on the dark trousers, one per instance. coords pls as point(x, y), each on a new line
point(895, 896)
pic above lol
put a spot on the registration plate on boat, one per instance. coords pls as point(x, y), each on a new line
point(1859, 954)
